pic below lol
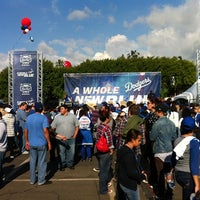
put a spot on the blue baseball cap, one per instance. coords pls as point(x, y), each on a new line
point(38, 105)
point(187, 124)
point(162, 107)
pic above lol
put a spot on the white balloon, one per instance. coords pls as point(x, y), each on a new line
point(26, 30)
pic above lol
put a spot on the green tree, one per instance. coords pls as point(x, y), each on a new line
point(53, 82)
point(184, 72)
point(4, 85)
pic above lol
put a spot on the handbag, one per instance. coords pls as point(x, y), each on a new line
point(102, 145)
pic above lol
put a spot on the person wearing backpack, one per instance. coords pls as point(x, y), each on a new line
point(186, 159)
point(104, 157)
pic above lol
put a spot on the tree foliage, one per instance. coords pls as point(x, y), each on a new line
point(53, 82)
point(4, 85)
point(183, 72)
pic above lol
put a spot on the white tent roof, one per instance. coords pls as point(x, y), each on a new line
point(190, 94)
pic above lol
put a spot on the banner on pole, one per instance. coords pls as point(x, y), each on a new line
point(25, 73)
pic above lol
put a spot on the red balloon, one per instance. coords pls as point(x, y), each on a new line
point(67, 64)
point(26, 21)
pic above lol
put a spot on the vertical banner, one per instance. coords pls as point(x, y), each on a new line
point(115, 87)
point(25, 71)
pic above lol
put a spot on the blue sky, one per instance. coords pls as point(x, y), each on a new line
point(76, 30)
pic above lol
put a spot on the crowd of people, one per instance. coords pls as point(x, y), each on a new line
point(154, 142)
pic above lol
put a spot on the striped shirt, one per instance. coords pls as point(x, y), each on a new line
point(9, 119)
point(104, 129)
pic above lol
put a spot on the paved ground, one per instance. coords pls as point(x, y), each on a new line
point(78, 184)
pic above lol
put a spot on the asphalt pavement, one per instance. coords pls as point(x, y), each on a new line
point(82, 183)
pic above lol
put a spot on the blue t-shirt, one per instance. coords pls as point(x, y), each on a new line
point(35, 124)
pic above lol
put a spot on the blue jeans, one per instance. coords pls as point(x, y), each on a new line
point(185, 180)
point(105, 174)
point(67, 152)
point(86, 151)
point(38, 155)
point(2, 154)
point(130, 194)
point(22, 141)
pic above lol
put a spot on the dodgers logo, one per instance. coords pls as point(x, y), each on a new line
point(25, 60)
point(137, 86)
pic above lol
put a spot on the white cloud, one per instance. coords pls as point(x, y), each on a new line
point(101, 56)
point(75, 51)
point(43, 47)
point(54, 7)
point(160, 42)
point(174, 31)
point(131, 24)
point(77, 57)
point(48, 52)
point(82, 14)
point(118, 45)
point(111, 19)
point(4, 61)
point(183, 17)
point(115, 47)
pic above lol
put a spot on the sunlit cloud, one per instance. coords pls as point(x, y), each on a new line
point(82, 14)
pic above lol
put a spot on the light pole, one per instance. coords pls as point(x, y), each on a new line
point(173, 83)
point(198, 76)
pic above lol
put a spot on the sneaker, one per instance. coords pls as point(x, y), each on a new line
point(41, 183)
point(25, 152)
point(96, 169)
point(171, 184)
point(109, 191)
point(12, 157)
point(45, 183)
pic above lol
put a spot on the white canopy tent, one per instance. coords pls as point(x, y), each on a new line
point(190, 94)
